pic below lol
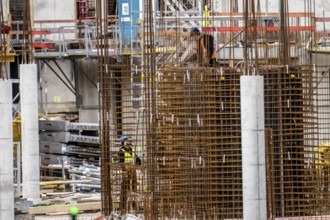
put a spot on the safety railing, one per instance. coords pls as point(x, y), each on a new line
point(68, 37)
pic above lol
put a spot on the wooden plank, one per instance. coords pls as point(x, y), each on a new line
point(65, 208)
point(83, 216)
point(64, 182)
point(60, 213)
point(56, 213)
point(59, 193)
point(60, 182)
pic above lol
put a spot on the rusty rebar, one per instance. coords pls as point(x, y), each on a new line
point(184, 120)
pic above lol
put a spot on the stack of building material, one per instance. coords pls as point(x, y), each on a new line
point(66, 143)
point(84, 172)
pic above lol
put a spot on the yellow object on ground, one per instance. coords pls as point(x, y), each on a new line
point(322, 156)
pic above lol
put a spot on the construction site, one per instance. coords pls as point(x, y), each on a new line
point(165, 109)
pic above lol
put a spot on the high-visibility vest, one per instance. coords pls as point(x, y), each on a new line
point(206, 15)
point(128, 158)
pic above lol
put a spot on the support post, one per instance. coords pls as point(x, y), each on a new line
point(6, 152)
point(5, 8)
point(253, 147)
point(30, 132)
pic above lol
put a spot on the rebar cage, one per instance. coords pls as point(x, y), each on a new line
point(185, 122)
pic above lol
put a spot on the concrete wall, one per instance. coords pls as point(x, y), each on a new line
point(321, 6)
point(54, 10)
point(54, 96)
point(88, 111)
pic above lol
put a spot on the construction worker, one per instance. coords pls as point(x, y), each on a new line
point(126, 156)
point(205, 53)
point(139, 33)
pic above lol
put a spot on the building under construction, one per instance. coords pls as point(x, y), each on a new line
point(224, 105)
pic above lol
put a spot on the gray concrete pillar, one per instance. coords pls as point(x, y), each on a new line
point(5, 8)
point(6, 151)
point(30, 132)
point(253, 148)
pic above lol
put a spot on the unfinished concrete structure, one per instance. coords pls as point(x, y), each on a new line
point(253, 147)
point(30, 132)
point(186, 119)
point(6, 145)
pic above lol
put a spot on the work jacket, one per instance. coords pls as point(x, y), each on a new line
point(126, 156)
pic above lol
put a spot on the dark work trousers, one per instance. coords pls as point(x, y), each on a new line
point(129, 185)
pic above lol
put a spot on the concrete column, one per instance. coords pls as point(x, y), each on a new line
point(6, 151)
point(253, 148)
point(30, 132)
point(5, 8)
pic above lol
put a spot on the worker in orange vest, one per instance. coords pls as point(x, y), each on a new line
point(205, 52)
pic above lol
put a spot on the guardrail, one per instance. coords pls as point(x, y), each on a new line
point(63, 36)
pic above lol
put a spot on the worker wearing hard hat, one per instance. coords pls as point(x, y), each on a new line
point(205, 53)
point(129, 159)
point(126, 153)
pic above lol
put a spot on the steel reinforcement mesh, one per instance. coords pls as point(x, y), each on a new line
point(188, 137)
point(195, 162)
point(184, 121)
point(295, 98)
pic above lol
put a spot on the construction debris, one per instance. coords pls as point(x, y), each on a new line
point(94, 206)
